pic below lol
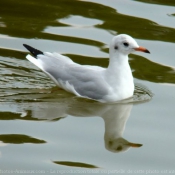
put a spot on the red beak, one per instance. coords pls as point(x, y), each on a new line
point(142, 49)
point(135, 145)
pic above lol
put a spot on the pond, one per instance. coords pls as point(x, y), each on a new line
point(45, 130)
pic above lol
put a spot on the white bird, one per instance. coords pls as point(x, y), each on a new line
point(110, 84)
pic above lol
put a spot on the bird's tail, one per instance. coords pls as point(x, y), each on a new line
point(38, 62)
point(33, 58)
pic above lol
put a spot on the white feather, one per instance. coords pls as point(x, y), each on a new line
point(105, 85)
point(34, 61)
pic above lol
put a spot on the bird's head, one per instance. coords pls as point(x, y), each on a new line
point(125, 44)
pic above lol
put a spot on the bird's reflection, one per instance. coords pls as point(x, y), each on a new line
point(115, 117)
point(115, 121)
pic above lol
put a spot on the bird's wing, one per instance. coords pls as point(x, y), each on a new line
point(82, 80)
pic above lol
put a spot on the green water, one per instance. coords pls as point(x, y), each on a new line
point(45, 130)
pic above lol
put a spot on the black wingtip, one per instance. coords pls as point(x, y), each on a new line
point(32, 50)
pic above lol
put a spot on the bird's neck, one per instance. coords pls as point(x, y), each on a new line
point(117, 61)
point(115, 122)
point(118, 67)
point(119, 77)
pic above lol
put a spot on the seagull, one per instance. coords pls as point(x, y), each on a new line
point(106, 85)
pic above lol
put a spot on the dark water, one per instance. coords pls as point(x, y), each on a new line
point(45, 130)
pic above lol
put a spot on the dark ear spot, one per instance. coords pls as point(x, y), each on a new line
point(110, 143)
point(115, 47)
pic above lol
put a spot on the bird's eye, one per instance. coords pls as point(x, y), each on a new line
point(119, 148)
point(126, 44)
